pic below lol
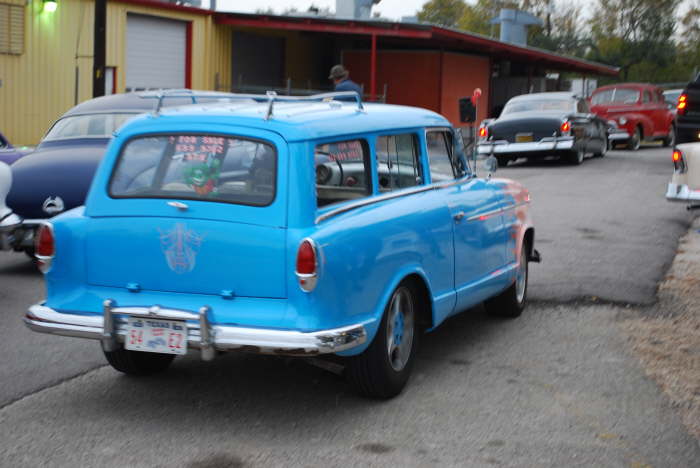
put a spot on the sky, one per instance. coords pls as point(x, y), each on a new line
point(392, 9)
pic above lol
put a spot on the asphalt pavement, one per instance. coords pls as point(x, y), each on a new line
point(557, 387)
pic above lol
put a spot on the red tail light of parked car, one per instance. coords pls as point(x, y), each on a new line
point(44, 247)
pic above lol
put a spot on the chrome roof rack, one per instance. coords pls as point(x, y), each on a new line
point(271, 97)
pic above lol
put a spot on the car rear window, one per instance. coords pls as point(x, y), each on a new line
point(529, 105)
point(86, 126)
point(619, 95)
point(196, 167)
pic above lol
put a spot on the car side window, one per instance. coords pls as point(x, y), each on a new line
point(440, 155)
point(398, 165)
point(647, 96)
point(342, 171)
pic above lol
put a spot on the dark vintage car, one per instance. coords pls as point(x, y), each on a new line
point(57, 175)
point(9, 153)
point(688, 113)
point(636, 112)
point(544, 124)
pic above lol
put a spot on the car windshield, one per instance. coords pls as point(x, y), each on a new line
point(528, 105)
point(618, 95)
point(87, 126)
point(196, 167)
point(672, 96)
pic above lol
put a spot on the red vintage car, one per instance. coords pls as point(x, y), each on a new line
point(635, 112)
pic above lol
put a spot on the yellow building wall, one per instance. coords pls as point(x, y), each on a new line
point(39, 85)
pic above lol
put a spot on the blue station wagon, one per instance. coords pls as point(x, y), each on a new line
point(293, 226)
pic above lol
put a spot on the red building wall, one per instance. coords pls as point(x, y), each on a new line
point(413, 77)
point(461, 74)
point(430, 79)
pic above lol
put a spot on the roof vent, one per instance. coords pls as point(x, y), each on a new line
point(354, 9)
point(514, 25)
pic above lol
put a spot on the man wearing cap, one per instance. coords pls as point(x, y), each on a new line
point(341, 77)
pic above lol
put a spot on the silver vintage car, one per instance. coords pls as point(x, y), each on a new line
point(685, 182)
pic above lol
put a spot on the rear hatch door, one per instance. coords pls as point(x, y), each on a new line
point(197, 213)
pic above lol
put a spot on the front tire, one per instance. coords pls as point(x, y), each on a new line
point(635, 140)
point(604, 149)
point(576, 156)
point(670, 139)
point(511, 302)
point(138, 362)
point(383, 369)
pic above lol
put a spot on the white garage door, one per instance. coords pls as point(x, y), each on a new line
point(155, 52)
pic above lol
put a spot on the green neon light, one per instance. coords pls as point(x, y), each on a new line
point(50, 5)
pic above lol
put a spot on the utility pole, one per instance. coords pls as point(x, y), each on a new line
point(99, 49)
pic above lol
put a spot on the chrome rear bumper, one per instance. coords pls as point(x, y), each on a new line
point(545, 144)
point(682, 193)
point(110, 328)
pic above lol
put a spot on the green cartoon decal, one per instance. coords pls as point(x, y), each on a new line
point(202, 177)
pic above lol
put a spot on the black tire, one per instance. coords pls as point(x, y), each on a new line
point(670, 139)
point(511, 302)
point(377, 372)
point(575, 157)
point(138, 362)
point(604, 149)
point(503, 160)
point(635, 140)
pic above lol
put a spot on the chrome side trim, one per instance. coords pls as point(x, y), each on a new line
point(202, 335)
point(485, 214)
point(497, 211)
point(390, 196)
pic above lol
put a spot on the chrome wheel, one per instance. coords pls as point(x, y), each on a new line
point(670, 140)
point(400, 328)
point(521, 277)
point(636, 140)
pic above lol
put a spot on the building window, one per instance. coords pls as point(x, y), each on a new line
point(11, 29)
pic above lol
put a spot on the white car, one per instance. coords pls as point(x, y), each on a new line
point(685, 183)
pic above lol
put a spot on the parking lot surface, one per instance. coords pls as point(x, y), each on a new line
point(559, 386)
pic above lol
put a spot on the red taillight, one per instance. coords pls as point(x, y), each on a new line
point(682, 103)
point(483, 132)
point(565, 127)
point(678, 161)
point(44, 245)
point(307, 264)
point(306, 258)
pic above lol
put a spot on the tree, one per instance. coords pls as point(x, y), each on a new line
point(635, 35)
point(442, 12)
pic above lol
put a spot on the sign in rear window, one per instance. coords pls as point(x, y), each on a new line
point(196, 167)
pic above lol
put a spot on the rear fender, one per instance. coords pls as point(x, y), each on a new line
point(373, 326)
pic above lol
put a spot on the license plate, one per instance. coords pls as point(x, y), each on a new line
point(523, 137)
point(156, 336)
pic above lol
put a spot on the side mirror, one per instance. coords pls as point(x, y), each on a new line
point(467, 110)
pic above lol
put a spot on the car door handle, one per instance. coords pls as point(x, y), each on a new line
point(459, 216)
